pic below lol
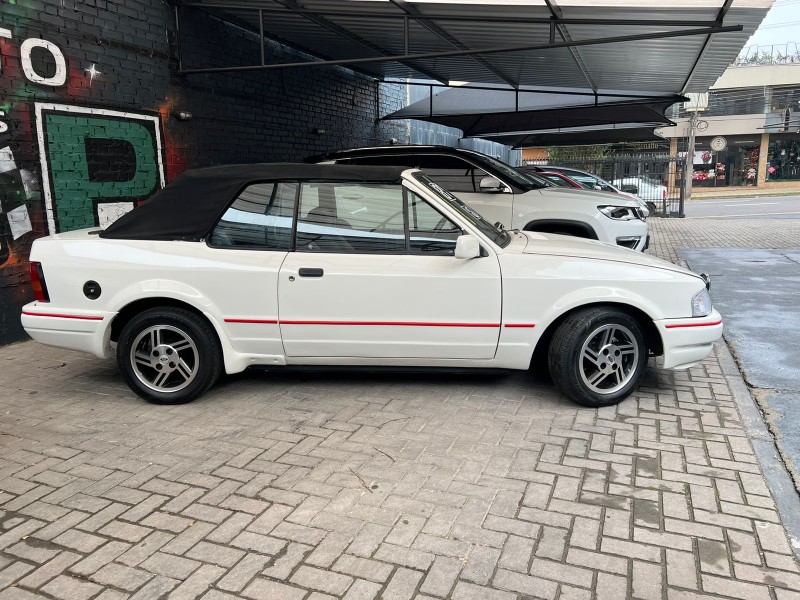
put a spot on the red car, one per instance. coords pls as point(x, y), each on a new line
point(559, 179)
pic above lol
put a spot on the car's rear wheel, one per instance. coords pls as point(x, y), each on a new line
point(597, 356)
point(169, 355)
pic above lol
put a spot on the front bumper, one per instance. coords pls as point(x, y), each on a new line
point(688, 341)
point(635, 242)
point(86, 331)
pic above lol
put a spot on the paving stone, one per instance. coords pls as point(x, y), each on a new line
point(122, 577)
point(363, 568)
point(470, 591)
point(488, 488)
point(237, 578)
point(441, 576)
point(51, 569)
point(402, 585)
point(169, 565)
point(215, 554)
point(264, 589)
point(363, 590)
point(155, 589)
point(71, 588)
point(283, 565)
point(19, 594)
point(647, 581)
point(141, 551)
point(407, 557)
point(324, 581)
point(14, 572)
point(100, 557)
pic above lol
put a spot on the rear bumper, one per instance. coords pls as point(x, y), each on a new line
point(688, 341)
point(74, 330)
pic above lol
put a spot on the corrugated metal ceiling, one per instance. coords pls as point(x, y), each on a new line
point(676, 65)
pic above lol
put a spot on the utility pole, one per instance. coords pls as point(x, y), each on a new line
point(689, 166)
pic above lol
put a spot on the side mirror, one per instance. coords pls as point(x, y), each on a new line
point(490, 184)
point(467, 247)
point(598, 188)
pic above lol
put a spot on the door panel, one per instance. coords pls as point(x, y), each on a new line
point(390, 306)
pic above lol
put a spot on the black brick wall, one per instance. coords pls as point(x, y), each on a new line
point(236, 117)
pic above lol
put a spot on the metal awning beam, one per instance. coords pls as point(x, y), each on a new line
point(529, 90)
point(726, 6)
point(413, 12)
point(320, 20)
point(401, 58)
point(557, 14)
point(451, 17)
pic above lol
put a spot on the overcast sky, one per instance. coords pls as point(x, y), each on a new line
point(781, 25)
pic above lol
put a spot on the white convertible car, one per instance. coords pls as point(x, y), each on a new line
point(276, 265)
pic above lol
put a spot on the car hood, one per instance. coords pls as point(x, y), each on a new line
point(588, 195)
point(564, 245)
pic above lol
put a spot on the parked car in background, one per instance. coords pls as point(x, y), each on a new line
point(648, 188)
point(588, 181)
point(285, 265)
point(516, 200)
point(560, 180)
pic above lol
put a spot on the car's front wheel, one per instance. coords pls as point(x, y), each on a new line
point(169, 355)
point(597, 356)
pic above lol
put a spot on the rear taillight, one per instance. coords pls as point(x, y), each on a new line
point(38, 284)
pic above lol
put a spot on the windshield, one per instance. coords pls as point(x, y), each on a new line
point(498, 236)
point(526, 181)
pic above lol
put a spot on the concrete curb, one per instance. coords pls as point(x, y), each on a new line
point(778, 479)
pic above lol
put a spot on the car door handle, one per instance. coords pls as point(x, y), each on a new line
point(309, 272)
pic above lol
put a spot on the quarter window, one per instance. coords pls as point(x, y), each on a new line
point(260, 218)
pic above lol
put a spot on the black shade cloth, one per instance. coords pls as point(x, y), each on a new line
point(189, 207)
point(630, 132)
point(485, 113)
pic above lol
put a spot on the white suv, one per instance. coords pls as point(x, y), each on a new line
point(517, 200)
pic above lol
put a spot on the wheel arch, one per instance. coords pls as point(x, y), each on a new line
point(579, 228)
point(135, 307)
point(651, 333)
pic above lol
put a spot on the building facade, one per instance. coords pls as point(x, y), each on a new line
point(755, 109)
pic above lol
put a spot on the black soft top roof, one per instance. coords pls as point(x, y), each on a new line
point(189, 207)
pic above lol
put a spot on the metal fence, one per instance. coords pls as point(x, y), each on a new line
point(655, 178)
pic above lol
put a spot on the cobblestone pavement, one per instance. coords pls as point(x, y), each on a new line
point(380, 486)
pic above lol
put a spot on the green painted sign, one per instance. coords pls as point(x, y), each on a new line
point(98, 166)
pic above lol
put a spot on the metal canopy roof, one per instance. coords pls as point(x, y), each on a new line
point(670, 46)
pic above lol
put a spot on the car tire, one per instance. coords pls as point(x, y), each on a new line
point(149, 345)
point(597, 356)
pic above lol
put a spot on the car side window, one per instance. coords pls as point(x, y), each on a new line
point(260, 218)
point(430, 232)
point(452, 173)
point(351, 218)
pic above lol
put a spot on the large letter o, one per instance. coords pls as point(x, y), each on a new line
point(60, 76)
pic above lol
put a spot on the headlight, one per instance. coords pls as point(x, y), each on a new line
point(701, 304)
point(621, 213)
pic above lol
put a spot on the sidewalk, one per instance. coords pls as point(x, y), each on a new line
point(314, 486)
point(701, 193)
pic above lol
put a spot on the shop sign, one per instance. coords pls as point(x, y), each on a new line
point(718, 144)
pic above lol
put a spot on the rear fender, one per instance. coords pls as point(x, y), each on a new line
point(174, 290)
